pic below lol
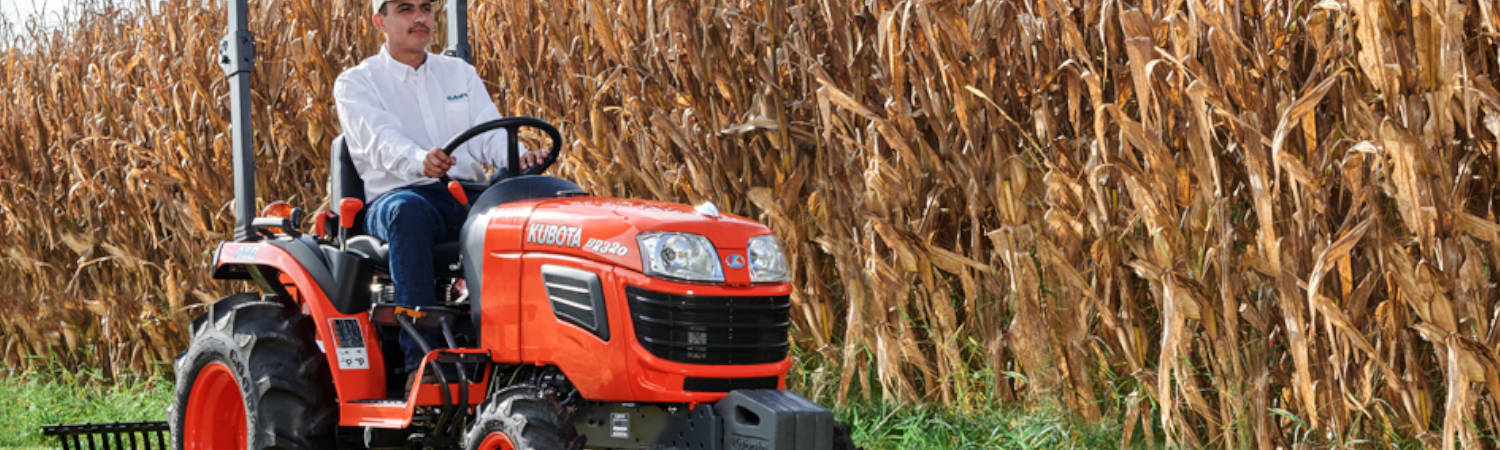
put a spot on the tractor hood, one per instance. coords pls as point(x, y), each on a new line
point(605, 230)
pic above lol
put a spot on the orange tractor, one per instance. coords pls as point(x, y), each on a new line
point(567, 320)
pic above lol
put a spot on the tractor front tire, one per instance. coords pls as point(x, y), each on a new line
point(521, 417)
point(252, 378)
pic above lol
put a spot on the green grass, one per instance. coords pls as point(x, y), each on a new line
point(995, 424)
point(31, 399)
point(1003, 427)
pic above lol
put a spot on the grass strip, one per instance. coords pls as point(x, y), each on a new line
point(33, 399)
point(1001, 427)
point(30, 400)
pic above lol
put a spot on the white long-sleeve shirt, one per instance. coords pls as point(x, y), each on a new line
point(393, 115)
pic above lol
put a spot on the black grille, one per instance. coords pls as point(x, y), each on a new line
point(711, 330)
point(695, 384)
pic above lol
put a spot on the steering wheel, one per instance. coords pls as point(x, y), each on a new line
point(512, 126)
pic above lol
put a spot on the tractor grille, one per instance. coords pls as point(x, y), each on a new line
point(711, 330)
point(696, 384)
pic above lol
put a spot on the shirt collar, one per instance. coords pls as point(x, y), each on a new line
point(400, 69)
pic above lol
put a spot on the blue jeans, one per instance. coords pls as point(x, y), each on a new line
point(412, 220)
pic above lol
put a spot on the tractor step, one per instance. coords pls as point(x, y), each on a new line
point(453, 380)
point(119, 435)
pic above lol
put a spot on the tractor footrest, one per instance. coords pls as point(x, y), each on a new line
point(121, 435)
point(430, 317)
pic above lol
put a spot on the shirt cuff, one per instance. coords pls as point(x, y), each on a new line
point(419, 160)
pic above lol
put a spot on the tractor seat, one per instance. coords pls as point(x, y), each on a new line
point(445, 256)
point(344, 182)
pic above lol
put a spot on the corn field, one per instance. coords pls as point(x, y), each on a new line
point(1227, 224)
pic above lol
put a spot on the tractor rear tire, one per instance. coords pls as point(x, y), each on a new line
point(521, 417)
point(252, 378)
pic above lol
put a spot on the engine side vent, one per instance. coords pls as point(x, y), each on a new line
point(711, 330)
point(577, 297)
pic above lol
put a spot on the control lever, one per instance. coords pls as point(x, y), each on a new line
point(458, 192)
point(348, 208)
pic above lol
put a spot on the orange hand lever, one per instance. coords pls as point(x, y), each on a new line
point(320, 224)
point(458, 192)
point(348, 208)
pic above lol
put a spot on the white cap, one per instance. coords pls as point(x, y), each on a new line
point(376, 4)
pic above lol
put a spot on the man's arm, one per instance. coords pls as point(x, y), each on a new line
point(376, 134)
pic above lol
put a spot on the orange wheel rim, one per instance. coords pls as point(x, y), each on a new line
point(215, 416)
point(497, 441)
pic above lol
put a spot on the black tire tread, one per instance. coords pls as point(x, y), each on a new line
point(528, 416)
point(289, 394)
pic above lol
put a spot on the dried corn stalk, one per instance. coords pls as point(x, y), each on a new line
point(1274, 220)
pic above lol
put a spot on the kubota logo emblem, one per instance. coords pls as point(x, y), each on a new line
point(554, 235)
point(735, 261)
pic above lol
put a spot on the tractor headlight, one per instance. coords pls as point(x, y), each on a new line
point(681, 256)
point(767, 263)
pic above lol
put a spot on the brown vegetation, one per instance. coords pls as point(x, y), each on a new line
point(1231, 223)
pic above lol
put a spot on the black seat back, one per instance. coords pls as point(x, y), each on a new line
point(344, 181)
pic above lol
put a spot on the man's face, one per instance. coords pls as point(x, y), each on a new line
point(407, 24)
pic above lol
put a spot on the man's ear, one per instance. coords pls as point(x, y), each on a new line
point(379, 22)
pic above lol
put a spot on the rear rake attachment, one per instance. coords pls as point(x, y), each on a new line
point(119, 435)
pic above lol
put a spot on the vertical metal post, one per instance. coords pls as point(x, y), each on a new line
point(237, 58)
point(458, 30)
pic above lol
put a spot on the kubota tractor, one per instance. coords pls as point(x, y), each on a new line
point(567, 319)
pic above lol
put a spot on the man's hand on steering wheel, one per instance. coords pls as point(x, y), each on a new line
point(516, 164)
point(437, 163)
point(533, 159)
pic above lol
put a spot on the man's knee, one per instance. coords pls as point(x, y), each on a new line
point(405, 210)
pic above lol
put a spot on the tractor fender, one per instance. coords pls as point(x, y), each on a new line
point(234, 265)
point(348, 340)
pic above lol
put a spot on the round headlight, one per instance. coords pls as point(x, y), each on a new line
point(676, 253)
point(682, 256)
point(767, 262)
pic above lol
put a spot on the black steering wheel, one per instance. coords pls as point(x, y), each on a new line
point(512, 127)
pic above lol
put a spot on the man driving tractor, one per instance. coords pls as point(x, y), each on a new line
point(583, 319)
point(397, 108)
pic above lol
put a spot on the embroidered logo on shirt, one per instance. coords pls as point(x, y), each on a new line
point(454, 98)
